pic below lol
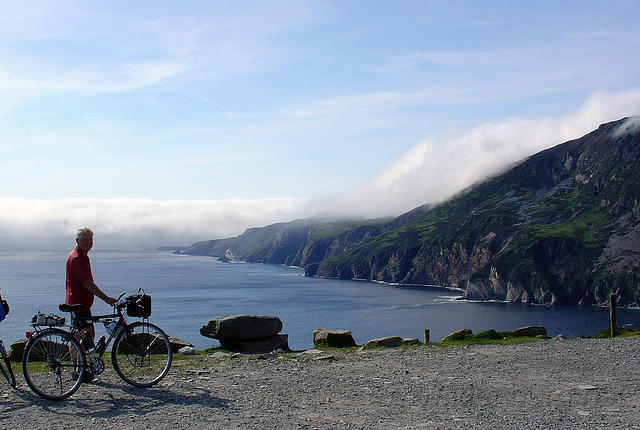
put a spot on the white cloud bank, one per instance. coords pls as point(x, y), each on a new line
point(440, 167)
point(432, 171)
point(132, 223)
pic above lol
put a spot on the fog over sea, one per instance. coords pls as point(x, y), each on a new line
point(187, 291)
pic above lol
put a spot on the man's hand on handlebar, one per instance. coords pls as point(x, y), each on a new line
point(118, 301)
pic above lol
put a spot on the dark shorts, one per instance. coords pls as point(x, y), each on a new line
point(82, 323)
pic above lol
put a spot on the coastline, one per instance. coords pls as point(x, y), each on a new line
point(400, 285)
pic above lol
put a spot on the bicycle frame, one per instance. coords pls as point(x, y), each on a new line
point(121, 324)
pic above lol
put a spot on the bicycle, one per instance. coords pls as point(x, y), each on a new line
point(55, 360)
point(5, 364)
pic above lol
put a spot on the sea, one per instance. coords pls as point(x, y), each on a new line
point(188, 291)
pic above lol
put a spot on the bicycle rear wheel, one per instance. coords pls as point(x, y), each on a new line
point(53, 364)
point(5, 367)
point(141, 354)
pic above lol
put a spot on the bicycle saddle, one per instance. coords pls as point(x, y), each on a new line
point(69, 308)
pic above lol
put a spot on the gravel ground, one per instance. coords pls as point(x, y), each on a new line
point(576, 383)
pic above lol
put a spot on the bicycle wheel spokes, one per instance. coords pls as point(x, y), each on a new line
point(5, 366)
point(142, 354)
point(53, 364)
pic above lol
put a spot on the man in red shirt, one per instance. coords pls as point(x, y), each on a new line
point(80, 287)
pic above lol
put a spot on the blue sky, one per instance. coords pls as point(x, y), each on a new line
point(198, 119)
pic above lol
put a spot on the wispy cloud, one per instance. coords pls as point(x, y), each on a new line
point(61, 48)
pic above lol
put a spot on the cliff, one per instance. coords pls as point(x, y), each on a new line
point(561, 227)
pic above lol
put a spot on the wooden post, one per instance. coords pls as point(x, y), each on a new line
point(426, 335)
point(612, 314)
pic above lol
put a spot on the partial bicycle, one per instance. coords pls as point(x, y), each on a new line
point(56, 359)
point(5, 364)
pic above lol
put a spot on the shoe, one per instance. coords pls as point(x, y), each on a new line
point(87, 377)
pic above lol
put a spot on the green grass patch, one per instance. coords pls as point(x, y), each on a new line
point(486, 337)
point(326, 347)
point(619, 332)
point(503, 341)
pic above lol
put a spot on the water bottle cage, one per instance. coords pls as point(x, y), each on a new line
point(99, 349)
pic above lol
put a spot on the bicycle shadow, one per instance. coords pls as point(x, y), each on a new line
point(21, 398)
point(13, 401)
point(157, 398)
point(139, 401)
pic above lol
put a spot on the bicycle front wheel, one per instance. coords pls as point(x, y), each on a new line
point(53, 364)
point(141, 354)
point(5, 367)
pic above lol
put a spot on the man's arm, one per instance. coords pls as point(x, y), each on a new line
point(91, 286)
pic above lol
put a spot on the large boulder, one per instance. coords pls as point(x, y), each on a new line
point(247, 333)
point(242, 327)
point(333, 338)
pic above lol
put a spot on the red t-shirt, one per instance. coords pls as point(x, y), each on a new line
point(78, 272)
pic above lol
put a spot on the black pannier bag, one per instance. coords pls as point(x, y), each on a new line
point(139, 305)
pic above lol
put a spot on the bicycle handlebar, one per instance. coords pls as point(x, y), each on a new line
point(119, 303)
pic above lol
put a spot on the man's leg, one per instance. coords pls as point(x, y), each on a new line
point(85, 334)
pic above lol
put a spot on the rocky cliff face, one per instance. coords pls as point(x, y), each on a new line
point(562, 227)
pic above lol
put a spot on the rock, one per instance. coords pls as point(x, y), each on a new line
point(16, 350)
point(220, 354)
point(587, 387)
point(247, 333)
point(384, 342)
point(324, 357)
point(308, 354)
point(278, 341)
point(458, 335)
point(531, 331)
point(333, 338)
point(187, 350)
point(410, 341)
point(315, 355)
point(178, 344)
point(268, 356)
point(242, 327)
